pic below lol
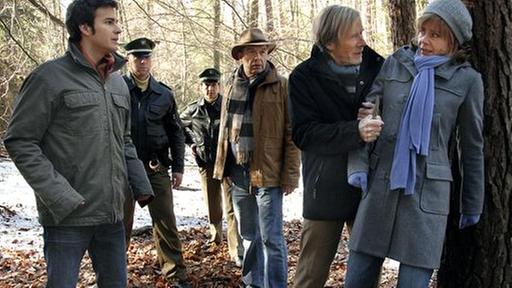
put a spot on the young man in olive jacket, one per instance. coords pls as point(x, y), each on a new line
point(156, 131)
point(326, 92)
point(69, 136)
point(201, 126)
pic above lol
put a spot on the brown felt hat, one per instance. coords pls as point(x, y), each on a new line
point(251, 37)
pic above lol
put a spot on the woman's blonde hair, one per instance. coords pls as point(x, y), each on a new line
point(332, 22)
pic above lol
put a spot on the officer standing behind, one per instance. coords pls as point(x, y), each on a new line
point(156, 128)
point(201, 126)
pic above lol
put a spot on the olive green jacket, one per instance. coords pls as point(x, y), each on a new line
point(69, 136)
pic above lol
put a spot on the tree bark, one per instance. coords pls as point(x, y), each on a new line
point(369, 27)
point(481, 256)
point(216, 35)
point(270, 16)
point(254, 13)
point(403, 17)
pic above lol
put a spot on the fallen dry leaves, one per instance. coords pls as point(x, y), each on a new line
point(207, 267)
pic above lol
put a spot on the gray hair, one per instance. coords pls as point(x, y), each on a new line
point(332, 22)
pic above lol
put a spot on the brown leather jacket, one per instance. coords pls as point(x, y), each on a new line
point(275, 161)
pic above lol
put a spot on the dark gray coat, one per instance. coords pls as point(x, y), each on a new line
point(411, 229)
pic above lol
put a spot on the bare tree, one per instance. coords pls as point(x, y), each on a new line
point(403, 17)
point(254, 13)
point(216, 34)
point(270, 16)
point(481, 256)
point(370, 28)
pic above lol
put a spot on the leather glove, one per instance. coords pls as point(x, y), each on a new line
point(359, 179)
point(467, 220)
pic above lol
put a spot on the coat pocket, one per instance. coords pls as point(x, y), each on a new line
point(82, 112)
point(435, 192)
point(120, 112)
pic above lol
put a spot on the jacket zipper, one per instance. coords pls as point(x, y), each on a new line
point(109, 123)
point(316, 178)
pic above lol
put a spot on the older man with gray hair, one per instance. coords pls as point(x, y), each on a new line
point(326, 92)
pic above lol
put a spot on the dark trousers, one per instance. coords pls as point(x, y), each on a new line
point(165, 233)
point(65, 246)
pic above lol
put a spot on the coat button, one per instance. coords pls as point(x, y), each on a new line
point(361, 82)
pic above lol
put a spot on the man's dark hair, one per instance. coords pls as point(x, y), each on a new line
point(82, 12)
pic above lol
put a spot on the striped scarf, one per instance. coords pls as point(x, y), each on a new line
point(239, 114)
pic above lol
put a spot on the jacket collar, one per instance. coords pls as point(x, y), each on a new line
point(320, 57)
point(270, 78)
point(217, 103)
point(405, 56)
point(153, 86)
point(79, 58)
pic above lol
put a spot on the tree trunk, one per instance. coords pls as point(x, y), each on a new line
point(184, 73)
point(254, 13)
point(369, 27)
point(480, 256)
point(403, 17)
point(216, 35)
point(124, 21)
point(270, 16)
point(313, 8)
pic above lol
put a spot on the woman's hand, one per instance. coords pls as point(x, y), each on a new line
point(369, 128)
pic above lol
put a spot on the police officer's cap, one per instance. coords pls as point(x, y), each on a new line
point(140, 47)
point(210, 75)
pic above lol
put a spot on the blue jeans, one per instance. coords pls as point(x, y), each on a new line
point(260, 223)
point(65, 246)
point(363, 271)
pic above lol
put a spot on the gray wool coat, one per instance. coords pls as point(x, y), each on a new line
point(411, 228)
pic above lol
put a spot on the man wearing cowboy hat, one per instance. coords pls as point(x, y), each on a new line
point(156, 131)
point(255, 151)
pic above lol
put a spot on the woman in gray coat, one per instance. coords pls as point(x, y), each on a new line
point(427, 92)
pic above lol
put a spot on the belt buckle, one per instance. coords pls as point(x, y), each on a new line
point(154, 165)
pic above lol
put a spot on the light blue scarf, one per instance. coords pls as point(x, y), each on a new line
point(414, 134)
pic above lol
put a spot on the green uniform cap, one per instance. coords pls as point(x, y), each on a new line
point(140, 47)
point(210, 75)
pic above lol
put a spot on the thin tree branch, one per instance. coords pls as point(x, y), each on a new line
point(6, 28)
point(44, 10)
point(149, 16)
point(236, 13)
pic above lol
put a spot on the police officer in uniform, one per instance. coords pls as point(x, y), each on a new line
point(159, 139)
point(201, 122)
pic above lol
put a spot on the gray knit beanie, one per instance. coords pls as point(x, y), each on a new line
point(456, 15)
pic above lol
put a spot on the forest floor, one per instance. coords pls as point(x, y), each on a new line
point(207, 267)
point(22, 263)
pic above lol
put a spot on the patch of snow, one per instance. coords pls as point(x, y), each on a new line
point(23, 232)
